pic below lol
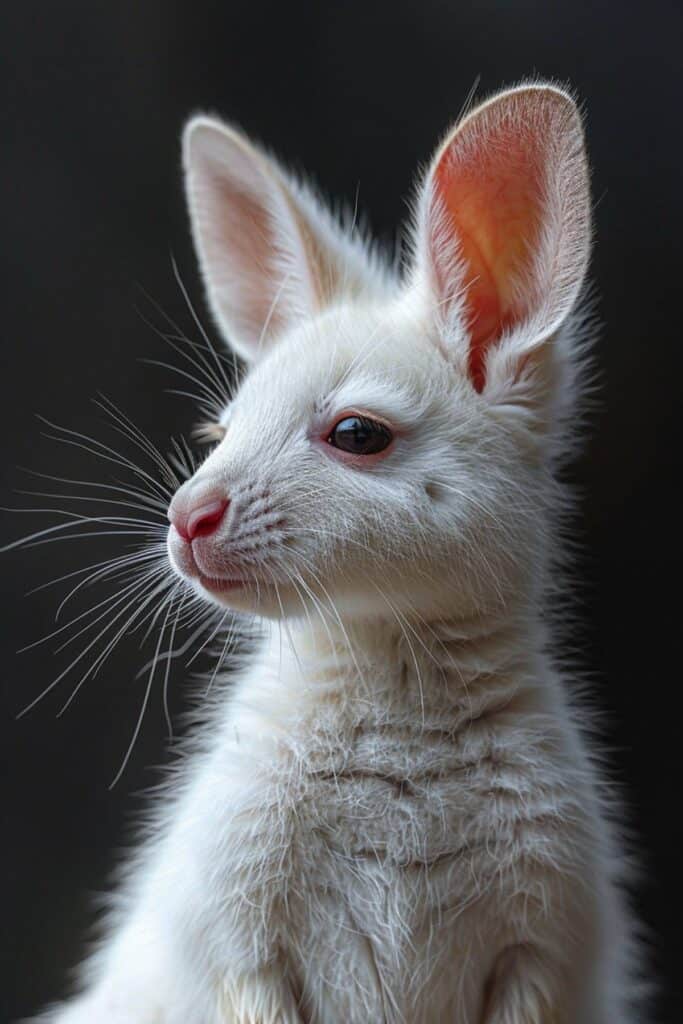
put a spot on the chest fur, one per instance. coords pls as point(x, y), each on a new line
point(388, 821)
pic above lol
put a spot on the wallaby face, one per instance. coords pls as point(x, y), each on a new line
point(393, 816)
point(350, 469)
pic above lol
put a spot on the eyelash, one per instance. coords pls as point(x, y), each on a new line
point(209, 433)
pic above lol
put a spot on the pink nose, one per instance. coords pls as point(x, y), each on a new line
point(199, 520)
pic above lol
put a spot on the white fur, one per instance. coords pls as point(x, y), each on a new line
point(394, 817)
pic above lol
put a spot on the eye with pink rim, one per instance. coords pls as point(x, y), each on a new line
point(359, 435)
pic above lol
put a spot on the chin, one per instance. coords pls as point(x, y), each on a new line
point(238, 595)
point(226, 593)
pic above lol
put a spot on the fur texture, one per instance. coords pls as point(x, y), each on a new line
point(393, 817)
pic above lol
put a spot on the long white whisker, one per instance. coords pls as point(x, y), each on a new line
point(145, 700)
point(208, 639)
point(141, 559)
point(96, 665)
point(138, 532)
point(68, 669)
point(111, 600)
point(219, 662)
point(92, 498)
point(223, 378)
point(103, 451)
point(152, 500)
point(167, 673)
point(109, 603)
point(114, 564)
point(76, 517)
point(127, 428)
point(204, 389)
point(220, 380)
point(171, 655)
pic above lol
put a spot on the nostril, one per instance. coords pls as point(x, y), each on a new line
point(203, 520)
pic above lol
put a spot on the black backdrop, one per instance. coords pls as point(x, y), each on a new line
point(93, 98)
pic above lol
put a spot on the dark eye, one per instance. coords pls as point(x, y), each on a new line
point(360, 436)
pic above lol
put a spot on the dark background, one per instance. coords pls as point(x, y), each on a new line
point(93, 97)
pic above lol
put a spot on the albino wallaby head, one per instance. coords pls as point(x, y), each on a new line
point(390, 446)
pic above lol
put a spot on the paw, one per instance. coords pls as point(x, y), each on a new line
point(95, 1010)
point(264, 997)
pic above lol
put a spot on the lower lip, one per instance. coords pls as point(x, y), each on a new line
point(220, 586)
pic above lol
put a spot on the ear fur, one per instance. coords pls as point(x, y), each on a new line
point(503, 226)
point(271, 255)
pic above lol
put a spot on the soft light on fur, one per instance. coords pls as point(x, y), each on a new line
point(394, 817)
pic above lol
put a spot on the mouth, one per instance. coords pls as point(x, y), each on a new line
point(187, 563)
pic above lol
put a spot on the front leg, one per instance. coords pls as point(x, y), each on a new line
point(569, 986)
point(263, 997)
point(199, 938)
point(520, 990)
point(149, 974)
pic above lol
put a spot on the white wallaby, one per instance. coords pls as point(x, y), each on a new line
point(393, 815)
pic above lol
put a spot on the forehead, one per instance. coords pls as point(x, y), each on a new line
point(351, 356)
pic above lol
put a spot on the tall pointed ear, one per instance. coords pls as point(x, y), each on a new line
point(270, 255)
point(503, 232)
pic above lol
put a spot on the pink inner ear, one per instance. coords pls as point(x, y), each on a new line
point(491, 190)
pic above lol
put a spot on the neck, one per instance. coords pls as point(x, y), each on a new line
point(428, 669)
